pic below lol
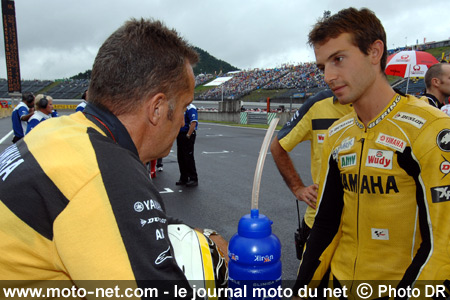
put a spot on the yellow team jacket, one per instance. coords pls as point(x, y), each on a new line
point(77, 205)
point(384, 210)
point(310, 123)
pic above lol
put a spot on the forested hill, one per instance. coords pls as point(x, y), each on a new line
point(208, 64)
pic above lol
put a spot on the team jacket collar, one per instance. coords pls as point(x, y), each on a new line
point(387, 110)
point(433, 100)
point(40, 115)
point(111, 125)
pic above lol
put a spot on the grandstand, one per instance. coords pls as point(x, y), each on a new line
point(302, 77)
point(69, 89)
point(34, 86)
point(66, 89)
point(202, 79)
point(287, 82)
point(415, 86)
point(292, 81)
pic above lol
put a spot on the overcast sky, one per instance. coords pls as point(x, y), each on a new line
point(60, 38)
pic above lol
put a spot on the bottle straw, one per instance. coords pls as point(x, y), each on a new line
point(260, 163)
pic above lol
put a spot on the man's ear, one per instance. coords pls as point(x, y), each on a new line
point(155, 107)
point(376, 51)
point(435, 82)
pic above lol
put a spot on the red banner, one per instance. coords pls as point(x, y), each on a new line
point(4, 103)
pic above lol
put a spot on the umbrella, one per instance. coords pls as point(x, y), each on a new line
point(408, 64)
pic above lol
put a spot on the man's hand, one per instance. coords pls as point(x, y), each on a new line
point(221, 243)
point(308, 194)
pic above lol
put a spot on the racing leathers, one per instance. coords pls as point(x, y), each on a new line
point(384, 199)
point(77, 204)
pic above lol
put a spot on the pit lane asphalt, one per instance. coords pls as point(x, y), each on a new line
point(226, 158)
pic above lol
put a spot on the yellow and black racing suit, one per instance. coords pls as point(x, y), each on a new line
point(384, 199)
point(76, 203)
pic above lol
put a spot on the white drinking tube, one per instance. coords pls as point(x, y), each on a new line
point(260, 163)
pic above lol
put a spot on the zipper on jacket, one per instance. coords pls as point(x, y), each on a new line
point(357, 203)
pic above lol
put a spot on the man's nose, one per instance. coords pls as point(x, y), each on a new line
point(329, 75)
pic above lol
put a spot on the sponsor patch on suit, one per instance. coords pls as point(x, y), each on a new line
point(381, 159)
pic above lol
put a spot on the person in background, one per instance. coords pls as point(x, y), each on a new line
point(21, 114)
point(185, 148)
point(383, 206)
point(43, 111)
point(446, 107)
point(437, 82)
point(90, 213)
point(153, 166)
point(82, 105)
point(310, 123)
point(159, 165)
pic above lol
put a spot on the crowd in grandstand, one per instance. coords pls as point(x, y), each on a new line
point(203, 78)
point(302, 76)
point(243, 83)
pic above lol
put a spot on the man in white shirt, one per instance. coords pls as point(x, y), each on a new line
point(44, 108)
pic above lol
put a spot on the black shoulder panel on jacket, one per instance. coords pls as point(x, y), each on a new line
point(303, 110)
point(27, 191)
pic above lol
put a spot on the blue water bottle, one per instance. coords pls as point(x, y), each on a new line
point(254, 266)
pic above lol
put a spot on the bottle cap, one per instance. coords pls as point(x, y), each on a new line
point(254, 225)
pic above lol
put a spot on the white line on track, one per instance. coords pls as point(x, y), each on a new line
point(220, 152)
point(6, 136)
point(232, 126)
point(166, 190)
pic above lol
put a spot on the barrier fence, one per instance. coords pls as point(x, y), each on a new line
point(257, 118)
point(6, 108)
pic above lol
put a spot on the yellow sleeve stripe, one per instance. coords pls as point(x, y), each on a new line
point(207, 262)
